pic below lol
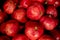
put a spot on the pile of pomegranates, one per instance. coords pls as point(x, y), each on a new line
point(29, 20)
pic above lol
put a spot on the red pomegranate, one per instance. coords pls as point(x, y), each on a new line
point(19, 15)
point(49, 22)
point(35, 12)
point(51, 10)
point(33, 30)
point(10, 28)
point(9, 7)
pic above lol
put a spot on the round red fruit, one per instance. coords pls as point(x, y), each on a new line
point(51, 10)
point(35, 12)
point(9, 7)
point(19, 15)
point(49, 22)
point(10, 28)
point(33, 30)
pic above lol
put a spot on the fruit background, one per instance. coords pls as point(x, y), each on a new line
point(29, 19)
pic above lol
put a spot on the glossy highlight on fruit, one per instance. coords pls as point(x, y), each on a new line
point(33, 30)
point(9, 7)
point(10, 28)
point(49, 22)
point(19, 15)
point(35, 12)
point(51, 10)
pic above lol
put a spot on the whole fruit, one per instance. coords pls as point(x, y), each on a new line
point(46, 37)
point(20, 37)
point(9, 7)
point(10, 28)
point(51, 10)
point(19, 15)
point(35, 12)
point(3, 16)
point(49, 22)
point(24, 3)
point(33, 30)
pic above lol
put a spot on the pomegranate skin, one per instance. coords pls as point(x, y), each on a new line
point(50, 2)
point(35, 12)
point(20, 37)
point(40, 1)
point(33, 30)
point(3, 16)
point(49, 22)
point(46, 37)
point(24, 3)
point(51, 10)
point(19, 15)
point(9, 7)
point(10, 28)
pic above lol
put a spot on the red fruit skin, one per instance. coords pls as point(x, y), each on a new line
point(3, 16)
point(56, 34)
point(35, 12)
point(24, 3)
point(20, 37)
point(33, 30)
point(51, 10)
point(9, 7)
point(40, 1)
point(57, 3)
point(50, 2)
point(10, 28)
point(4, 38)
point(48, 22)
point(19, 15)
point(46, 37)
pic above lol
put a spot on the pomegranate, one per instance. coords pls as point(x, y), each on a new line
point(51, 10)
point(33, 30)
point(35, 12)
point(49, 22)
point(9, 7)
point(10, 28)
point(19, 15)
